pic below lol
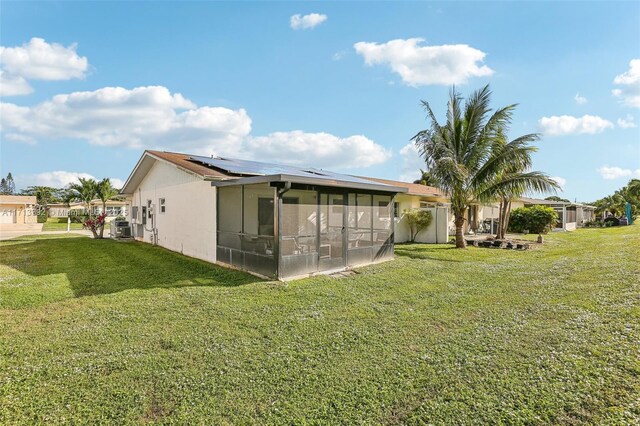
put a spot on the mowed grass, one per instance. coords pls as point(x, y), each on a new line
point(108, 332)
point(60, 224)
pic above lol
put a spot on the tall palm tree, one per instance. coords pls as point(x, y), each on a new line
point(513, 182)
point(469, 156)
point(105, 192)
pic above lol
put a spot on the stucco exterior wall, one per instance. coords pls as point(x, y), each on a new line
point(188, 225)
point(437, 232)
point(17, 210)
point(17, 213)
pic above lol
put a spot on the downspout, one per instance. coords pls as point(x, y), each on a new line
point(287, 187)
point(437, 223)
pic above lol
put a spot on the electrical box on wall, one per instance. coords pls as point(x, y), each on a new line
point(134, 214)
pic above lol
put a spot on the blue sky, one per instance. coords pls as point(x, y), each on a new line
point(88, 86)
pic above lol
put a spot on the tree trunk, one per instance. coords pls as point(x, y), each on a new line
point(459, 221)
point(503, 220)
point(104, 209)
point(506, 220)
point(499, 230)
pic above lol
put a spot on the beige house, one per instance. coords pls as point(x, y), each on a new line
point(114, 208)
point(425, 198)
point(484, 218)
point(570, 215)
point(18, 213)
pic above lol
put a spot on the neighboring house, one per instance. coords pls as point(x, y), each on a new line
point(268, 219)
point(18, 212)
point(570, 215)
point(425, 198)
point(114, 209)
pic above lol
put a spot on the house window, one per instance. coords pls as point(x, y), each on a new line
point(383, 209)
point(337, 205)
point(163, 207)
point(149, 210)
point(396, 209)
point(265, 216)
point(290, 216)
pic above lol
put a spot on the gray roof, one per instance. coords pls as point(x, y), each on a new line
point(537, 201)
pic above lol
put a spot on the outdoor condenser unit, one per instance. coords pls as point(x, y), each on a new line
point(120, 229)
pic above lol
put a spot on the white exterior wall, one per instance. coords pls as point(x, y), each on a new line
point(439, 225)
point(189, 224)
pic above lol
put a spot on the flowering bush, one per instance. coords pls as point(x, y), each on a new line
point(96, 224)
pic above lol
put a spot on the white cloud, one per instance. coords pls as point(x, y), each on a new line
point(629, 92)
point(13, 85)
point(38, 60)
point(627, 122)
point(580, 100)
point(58, 179)
point(610, 173)
point(412, 162)
point(144, 117)
point(425, 65)
point(153, 117)
point(322, 150)
point(561, 181)
point(569, 125)
point(299, 22)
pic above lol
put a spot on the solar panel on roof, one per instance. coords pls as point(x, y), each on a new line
point(257, 168)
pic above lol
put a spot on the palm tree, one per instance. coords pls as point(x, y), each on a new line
point(633, 188)
point(84, 191)
point(515, 181)
point(425, 179)
point(469, 156)
point(105, 192)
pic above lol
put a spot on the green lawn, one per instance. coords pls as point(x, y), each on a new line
point(111, 332)
point(56, 224)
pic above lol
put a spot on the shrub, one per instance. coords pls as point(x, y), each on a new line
point(611, 221)
point(593, 224)
point(94, 225)
point(42, 216)
point(536, 219)
point(417, 220)
point(79, 218)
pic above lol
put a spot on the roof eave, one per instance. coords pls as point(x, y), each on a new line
point(309, 181)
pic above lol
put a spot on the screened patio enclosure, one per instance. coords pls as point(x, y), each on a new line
point(280, 228)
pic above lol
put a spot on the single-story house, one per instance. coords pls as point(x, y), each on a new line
point(484, 218)
point(114, 209)
point(17, 212)
point(272, 220)
point(570, 215)
point(424, 198)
